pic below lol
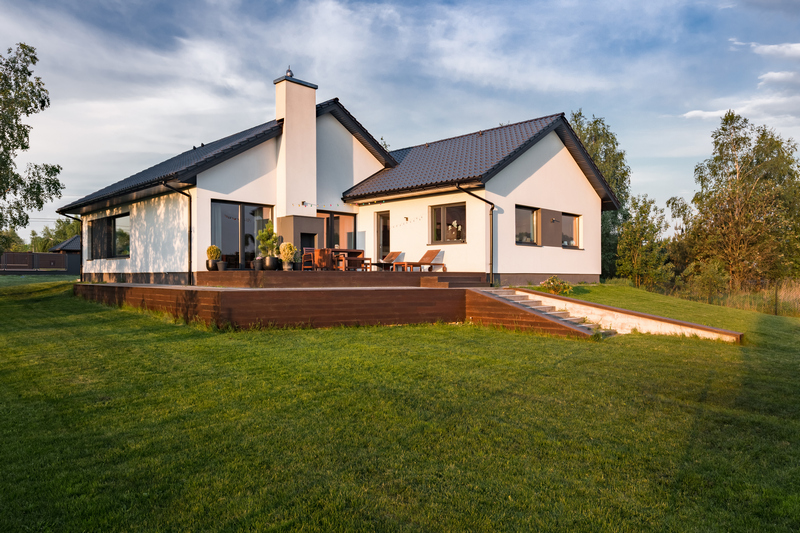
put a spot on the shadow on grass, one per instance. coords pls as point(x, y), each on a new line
point(741, 467)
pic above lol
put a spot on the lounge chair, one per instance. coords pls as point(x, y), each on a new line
point(426, 261)
point(386, 262)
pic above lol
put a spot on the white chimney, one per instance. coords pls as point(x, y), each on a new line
point(296, 104)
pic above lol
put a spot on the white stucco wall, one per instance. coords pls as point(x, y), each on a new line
point(250, 177)
point(342, 161)
point(158, 237)
point(412, 236)
point(546, 177)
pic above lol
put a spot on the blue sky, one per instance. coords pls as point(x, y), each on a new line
point(133, 83)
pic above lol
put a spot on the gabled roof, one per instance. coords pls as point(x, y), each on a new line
point(185, 167)
point(475, 158)
point(73, 244)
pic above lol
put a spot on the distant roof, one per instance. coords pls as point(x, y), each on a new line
point(73, 244)
point(475, 158)
point(185, 167)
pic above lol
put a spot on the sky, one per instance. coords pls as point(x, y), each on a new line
point(133, 83)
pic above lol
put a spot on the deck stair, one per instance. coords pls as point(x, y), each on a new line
point(530, 301)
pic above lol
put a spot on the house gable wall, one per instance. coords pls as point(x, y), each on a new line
point(342, 161)
point(250, 177)
point(548, 178)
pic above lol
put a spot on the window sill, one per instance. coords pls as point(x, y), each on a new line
point(109, 258)
point(571, 247)
point(529, 244)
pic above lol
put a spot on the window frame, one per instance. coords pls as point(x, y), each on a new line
point(106, 248)
point(536, 216)
point(442, 208)
point(242, 229)
point(576, 231)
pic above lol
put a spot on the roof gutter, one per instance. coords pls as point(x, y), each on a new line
point(81, 240)
point(491, 230)
point(190, 281)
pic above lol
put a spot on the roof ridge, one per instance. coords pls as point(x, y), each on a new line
point(479, 131)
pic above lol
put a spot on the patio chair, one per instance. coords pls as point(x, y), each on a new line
point(308, 259)
point(386, 262)
point(426, 261)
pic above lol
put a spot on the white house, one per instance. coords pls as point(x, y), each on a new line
point(522, 201)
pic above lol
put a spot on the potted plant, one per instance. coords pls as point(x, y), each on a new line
point(267, 245)
point(287, 255)
point(258, 263)
point(297, 261)
point(214, 254)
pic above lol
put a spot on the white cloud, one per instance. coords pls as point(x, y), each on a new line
point(786, 50)
point(780, 78)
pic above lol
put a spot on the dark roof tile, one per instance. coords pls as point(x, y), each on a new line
point(458, 159)
point(73, 244)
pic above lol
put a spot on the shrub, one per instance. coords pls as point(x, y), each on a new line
point(267, 240)
point(553, 285)
point(287, 252)
point(213, 253)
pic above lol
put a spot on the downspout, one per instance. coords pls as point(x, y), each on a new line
point(189, 196)
point(491, 231)
point(81, 239)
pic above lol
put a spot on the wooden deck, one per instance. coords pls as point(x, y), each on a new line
point(278, 279)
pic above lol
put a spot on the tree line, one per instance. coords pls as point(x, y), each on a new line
point(740, 230)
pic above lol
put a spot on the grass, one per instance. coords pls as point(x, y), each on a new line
point(116, 420)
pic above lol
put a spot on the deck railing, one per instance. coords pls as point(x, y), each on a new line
point(21, 261)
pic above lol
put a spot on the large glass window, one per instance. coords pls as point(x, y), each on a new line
point(570, 230)
point(340, 230)
point(526, 225)
point(234, 228)
point(110, 237)
point(449, 223)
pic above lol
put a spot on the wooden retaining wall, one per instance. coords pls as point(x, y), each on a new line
point(287, 307)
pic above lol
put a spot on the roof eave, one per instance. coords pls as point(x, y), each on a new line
point(398, 194)
point(361, 133)
point(186, 176)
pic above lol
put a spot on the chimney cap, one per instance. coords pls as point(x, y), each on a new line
point(290, 77)
point(289, 73)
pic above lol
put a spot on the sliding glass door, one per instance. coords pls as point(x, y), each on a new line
point(235, 227)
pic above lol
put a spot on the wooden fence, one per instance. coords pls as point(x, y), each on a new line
point(22, 261)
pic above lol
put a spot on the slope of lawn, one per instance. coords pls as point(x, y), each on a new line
point(115, 420)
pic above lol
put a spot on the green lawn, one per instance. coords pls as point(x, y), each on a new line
point(115, 420)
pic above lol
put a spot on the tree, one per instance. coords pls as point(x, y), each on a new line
point(746, 213)
point(50, 237)
point(603, 147)
point(11, 242)
point(22, 95)
point(642, 252)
